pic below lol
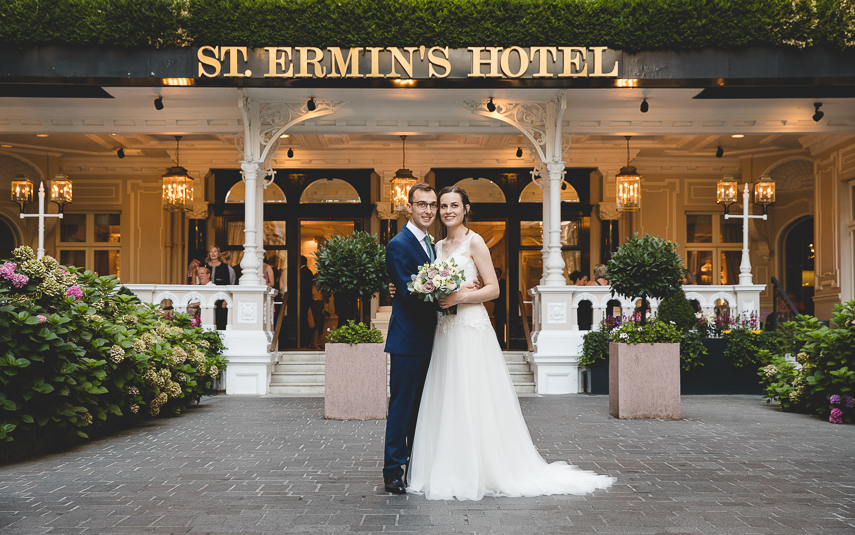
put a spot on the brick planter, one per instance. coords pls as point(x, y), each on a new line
point(355, 382)
point(644, 381)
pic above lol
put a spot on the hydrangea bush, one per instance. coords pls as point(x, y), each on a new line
point(820, 379)
point(76, 351)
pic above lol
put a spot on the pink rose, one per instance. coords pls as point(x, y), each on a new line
point(429, 287)
point(444, 273)
point(432, 273)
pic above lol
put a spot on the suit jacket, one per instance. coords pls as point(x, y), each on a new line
point(413, 322)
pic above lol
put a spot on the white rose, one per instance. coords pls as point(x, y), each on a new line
point(450, 285)
point(437, 281)
point(417, 286)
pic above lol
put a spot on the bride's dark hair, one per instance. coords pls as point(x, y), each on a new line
point(464, 197)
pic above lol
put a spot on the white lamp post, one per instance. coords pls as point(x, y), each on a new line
point(745, 278)
point(61, 194)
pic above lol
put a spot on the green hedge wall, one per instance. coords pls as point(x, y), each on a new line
point(630, 25)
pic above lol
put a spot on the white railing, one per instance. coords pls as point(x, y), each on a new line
point(600, 296)
point(183, 296)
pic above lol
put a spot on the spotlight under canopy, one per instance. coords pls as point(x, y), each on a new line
point(158, 103)
point(519, 152)
point(120, 153)
point(644, 106)
point(290, 152)
point(311, 105)
point(818, 115)
point(719, 152)
point(490, 106)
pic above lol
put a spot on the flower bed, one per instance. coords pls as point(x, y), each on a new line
point(77, 351)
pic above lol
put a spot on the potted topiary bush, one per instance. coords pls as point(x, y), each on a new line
point(352, 268)
point(644, 359)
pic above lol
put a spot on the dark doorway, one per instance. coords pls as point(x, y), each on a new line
point(7, 240)
point(799, 263)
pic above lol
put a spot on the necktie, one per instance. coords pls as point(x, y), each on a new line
point(430, 253)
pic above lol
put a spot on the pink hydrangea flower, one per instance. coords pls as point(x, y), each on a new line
point(196, 321)
point(836, 416)
point(8, 270)
point(75, 292)
point(835, 399)
point(42, 319)
point(18, 280)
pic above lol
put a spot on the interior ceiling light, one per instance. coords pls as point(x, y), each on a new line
point(158, 103)
point(311, 105)
point(719, 152)
point(41, 135)
point(120, 153)
point(738, 136)
point(490, 106)
point(644, 106)
point(6, 146)
point(290, 153)
point(112, 134)
point(817, 117)
point(519, 152)
point(284, 136)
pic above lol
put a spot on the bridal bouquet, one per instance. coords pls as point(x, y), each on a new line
point(437, 280)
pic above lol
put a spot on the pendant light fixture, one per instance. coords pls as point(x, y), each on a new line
point(628, 185)
point(402, 182)
point(177, 185)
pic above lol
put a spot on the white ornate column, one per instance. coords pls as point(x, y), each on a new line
point(249, 264)
point(544, 250)
point(554, 267)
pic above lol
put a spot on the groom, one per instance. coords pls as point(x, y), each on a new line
point(410, 337)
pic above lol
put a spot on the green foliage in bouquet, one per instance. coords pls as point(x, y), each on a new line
point(351, 267)
point(645, 267)
point(355, 333)
point(825, 368)
point(76, 351)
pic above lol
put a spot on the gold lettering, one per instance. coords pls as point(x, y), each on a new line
point(211, 61)
point(506, 64)
point(545, 52)
point(477, 61)
point(375, 61)
point(305, 60)
point(233, 53)
point(276, 57)
point(439, 61)
point(338, 60)
point(406, 65)
point(574, 59)
point(598, 62)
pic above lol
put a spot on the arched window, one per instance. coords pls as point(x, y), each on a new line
point(329, 190)
point(482, 190)
point(237, 194)
point(533, 193)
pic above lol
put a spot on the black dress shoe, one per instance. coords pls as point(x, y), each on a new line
point(395, 485)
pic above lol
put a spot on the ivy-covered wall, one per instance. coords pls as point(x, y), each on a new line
point(629, 25)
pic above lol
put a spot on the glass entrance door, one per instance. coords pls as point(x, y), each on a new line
point(316, 309)
point(496, 235)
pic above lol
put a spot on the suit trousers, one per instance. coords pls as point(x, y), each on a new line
point(406, 382)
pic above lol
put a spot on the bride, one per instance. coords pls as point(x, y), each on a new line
point(471, 439)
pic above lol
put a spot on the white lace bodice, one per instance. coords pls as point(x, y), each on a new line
point(471, 315)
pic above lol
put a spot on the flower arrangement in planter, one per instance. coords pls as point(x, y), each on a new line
point(644, 359)
point(76, 352)
point(821, 377)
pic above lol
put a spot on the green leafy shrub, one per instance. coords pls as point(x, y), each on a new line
point(676, 309)
point(595, 345)
point(645, 267)
point(355, 333)
point(825, 365)
point(692, 350)
point(75, 351)
point(351, 267)
point(749, 347)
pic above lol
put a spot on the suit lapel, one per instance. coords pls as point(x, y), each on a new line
point(414, 242)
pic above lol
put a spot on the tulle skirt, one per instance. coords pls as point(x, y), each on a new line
point(471, 439)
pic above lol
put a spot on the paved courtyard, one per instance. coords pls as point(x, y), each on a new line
point(273, 465)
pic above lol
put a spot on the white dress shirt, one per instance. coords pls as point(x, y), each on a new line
point(420, 235)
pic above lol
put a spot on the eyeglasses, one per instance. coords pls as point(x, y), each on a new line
point(421, 205)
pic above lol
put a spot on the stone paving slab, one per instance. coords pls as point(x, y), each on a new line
point(273, 465)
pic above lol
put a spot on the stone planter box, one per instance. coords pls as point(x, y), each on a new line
point(644, 381)
point(355, 382)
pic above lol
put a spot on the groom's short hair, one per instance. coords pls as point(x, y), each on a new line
point(419, 186)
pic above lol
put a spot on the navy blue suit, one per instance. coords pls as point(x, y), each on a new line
point(409, 342)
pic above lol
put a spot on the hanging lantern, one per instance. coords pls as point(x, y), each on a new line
point(60, 190)
point(177, 186)
point(764, 192)
point(22, 191)
point(726, 192)
point(401, 183)
point(628, 183)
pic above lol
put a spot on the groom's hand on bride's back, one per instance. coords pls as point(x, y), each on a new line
point(392, 289)
point(477, 284)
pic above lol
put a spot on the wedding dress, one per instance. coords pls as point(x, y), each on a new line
point(471, 439)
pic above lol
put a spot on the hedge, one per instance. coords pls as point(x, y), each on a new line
point(629, 25)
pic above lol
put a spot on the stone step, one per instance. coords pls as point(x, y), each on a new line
point(299, 378)
point(301, 390)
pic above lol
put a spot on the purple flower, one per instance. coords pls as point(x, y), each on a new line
point(835, 399)
point(18, 280)
point(196, 321)
point(849, 402)
point(8, 270)
point(836, 416)
point(428, 287)
point(42, 319)
point(75, 292)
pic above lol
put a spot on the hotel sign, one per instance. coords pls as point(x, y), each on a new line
point(403, 63)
